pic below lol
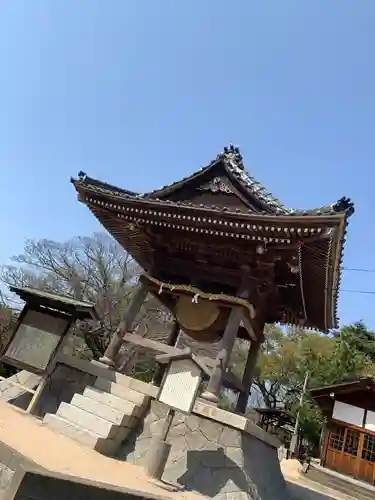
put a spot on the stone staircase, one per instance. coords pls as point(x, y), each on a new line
point(102, 416)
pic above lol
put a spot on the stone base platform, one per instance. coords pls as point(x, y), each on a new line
point(215, 453)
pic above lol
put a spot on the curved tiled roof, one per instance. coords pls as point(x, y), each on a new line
point(325, 253)
point(232, 160)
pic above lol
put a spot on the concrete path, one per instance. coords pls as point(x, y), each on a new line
point(304, 492)
point(303, 489)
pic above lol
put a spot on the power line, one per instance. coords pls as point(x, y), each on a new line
point(367, 292)
point(358, 270)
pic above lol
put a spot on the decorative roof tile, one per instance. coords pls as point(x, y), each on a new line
point(100, 186)
point(233, 161)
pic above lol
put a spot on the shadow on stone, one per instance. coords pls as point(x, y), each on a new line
point(263, 468)
point(136, 444)
point(212, 473)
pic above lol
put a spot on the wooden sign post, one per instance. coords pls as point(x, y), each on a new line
point(178, 390)
point(41, 329)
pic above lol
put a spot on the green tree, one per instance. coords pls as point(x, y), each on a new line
point(283, 362)
point(359, 338)
point(286, 357)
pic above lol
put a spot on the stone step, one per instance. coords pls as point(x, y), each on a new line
point(83, 436)
point(113, 401)
point(99, 425)
point(130, 382)
point(100, 370)
point(102, 410)
point(121, 391)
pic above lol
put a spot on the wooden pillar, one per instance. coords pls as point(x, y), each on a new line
point(34, 402)
point(115, 344)
point(171, 340)
point(324, 449)
point(248, 374)
point(212, 392)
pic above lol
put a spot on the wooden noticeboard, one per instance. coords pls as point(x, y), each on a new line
point(180, 386)
point(36, 340)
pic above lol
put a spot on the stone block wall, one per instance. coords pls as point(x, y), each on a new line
point(211, 457)
point(65, 381)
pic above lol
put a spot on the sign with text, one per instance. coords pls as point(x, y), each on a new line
point(35, 341)
point(180, 385)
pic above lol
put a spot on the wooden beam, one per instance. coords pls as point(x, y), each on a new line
point(116, 342)
point(166, 358)
point(212, 392)
point(172, 340)
point(230, 380)
point(247, 378)
point(249, 327)
point(151, 344)
point(209, 272)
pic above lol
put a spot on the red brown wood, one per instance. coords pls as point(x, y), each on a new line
point(205, 227)
point(351, 451)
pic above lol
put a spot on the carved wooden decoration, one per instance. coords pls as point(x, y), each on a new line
point(217, 185)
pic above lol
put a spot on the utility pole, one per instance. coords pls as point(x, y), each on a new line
point(294, 440)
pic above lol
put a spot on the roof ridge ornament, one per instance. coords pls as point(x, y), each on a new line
point(232, 153)
point(82, 176)
point(234, 160)
point(344, 204)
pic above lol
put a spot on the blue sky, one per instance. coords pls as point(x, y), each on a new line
point(141, 93)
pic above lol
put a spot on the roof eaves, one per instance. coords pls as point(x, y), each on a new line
point(28, 294)
point(325, 390)
point(343, 205)
point(232, 160)
point(83, 181)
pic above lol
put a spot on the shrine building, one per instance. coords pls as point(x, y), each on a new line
point(349, 436)
point(225, 257)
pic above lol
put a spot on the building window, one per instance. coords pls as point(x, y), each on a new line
point(336, 438)
point(368, 452)
point(351, 442)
